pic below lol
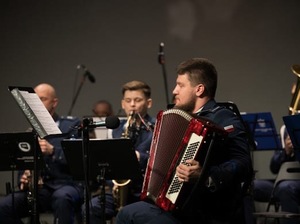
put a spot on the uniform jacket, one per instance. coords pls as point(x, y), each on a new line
point(56, 170)
point(142, 139)
point(229, 166)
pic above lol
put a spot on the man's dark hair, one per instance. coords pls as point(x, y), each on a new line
point(200, 70)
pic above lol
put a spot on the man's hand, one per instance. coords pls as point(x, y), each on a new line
point(288, 146)
point(25, 180)
point(138, 156)
point(46, 147)
point(188, 172)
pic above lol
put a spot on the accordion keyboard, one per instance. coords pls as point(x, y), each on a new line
point(190, 153)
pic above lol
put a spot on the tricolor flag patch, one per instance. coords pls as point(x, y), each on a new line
point(229, 128)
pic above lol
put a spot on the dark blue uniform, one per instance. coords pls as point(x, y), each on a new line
point(142, 142)
point(59, 193)
point(229, 166)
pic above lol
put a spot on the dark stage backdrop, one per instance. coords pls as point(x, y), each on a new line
point(252, 43)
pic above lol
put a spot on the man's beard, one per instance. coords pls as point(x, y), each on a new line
point(188, 107)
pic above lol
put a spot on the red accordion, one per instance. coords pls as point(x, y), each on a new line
point(177, 137)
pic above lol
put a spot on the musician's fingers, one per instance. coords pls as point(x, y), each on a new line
point(42, 145)
point(21, 186)
point(25, 176)
point(138, 155)
point(26, 172)
point(181, 169)
point(181, 174)
point(24, 182)
point(42, 141)
point(192, 162)
point(181, 180)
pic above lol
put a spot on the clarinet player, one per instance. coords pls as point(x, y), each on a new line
point(218, 199)
point(58, 193)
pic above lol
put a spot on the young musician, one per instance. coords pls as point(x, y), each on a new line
point(138, 126)
point(219, 198)
point(57, 192)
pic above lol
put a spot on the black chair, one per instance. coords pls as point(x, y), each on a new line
point(247, 186)
point(288, 171)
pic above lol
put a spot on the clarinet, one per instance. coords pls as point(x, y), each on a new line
point(29, 194)
point(31, 197)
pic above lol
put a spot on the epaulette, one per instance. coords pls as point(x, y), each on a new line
point(213, 110)
point(216, 109)
point(68, 117)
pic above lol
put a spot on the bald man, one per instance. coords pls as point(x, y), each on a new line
point(57, 192)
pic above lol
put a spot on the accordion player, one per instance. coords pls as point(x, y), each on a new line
point(192, 138)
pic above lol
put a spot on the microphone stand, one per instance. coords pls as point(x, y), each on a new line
point(33, 197)
point(85, 146)
point(77, 93)
point(161, 60)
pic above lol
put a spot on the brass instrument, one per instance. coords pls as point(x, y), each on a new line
point(294, 106)
point(121, 187)
point(121, 192)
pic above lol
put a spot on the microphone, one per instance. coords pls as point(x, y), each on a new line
point(161, 54)
point(110, 122)
point(87, 73)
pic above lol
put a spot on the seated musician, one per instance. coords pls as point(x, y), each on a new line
point(218, 199)
point(58, 193)
point(287, 192)
point(135, 102)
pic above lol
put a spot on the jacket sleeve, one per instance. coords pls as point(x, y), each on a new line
point(232, 165)
point(277, 159)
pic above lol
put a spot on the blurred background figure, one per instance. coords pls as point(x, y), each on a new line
point(102, 108)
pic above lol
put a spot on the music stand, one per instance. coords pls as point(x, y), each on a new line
point(108, 159)
point(263, 130)
point(42, 123)
point(17, 151)
point(20, 151)
point(292, 123)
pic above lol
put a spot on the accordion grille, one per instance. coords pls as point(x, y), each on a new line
point(172, 131)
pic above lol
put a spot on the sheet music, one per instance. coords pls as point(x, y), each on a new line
point(36, 113)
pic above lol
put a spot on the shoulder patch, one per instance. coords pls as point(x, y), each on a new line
point(229, 128)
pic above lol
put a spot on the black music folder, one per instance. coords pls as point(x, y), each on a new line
point(292, 124)
point(117, 155)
